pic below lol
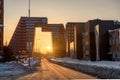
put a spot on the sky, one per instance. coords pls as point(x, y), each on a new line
point(58, 11)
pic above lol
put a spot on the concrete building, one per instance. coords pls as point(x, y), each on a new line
point(74, 32)
point(69, 36)
point(114, 42)
point(78, 30)
point(1, 23)
point(23, 38)
point(96, 39)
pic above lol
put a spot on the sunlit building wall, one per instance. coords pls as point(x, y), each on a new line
point(72, 50)
point(1, 23)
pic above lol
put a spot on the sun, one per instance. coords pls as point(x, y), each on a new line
point(49, 48)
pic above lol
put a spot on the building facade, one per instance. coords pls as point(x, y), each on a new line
point(114, 42)
point(96, 39)
point(74, 42)
point(69, 36)
point(78, 30)
point(23, 38)
point(1, 23)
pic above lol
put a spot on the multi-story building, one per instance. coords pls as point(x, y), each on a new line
point(96, 39)
point(69, 36)
point(74, 32)
point(23, 37)
point(1, 23)
point(114, 42)
point(58, 38)
point(78, 30)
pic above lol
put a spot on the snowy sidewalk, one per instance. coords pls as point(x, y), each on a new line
point(107, 64)
point(10, 68)
point(14, 67)
point(102, 69)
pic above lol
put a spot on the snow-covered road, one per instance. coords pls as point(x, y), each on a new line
point(50, 71)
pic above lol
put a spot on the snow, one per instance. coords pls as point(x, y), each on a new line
point(9, 68)
point(33, 62)
point(17, 67)
point(108, 64)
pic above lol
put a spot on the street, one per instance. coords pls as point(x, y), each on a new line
point(50, 71)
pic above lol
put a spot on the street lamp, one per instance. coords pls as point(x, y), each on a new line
point(29, 46)
point(36, 44)
point(1, 34)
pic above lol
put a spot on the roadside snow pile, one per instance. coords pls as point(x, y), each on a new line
point(17, 67)
point(9, 68)
point(108, 64)
point(101, 69)
point(33, 62)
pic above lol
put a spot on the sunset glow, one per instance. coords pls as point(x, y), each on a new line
point(49, 48)
point(42, 42)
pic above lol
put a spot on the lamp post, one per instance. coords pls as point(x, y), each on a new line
point(36, 45)
point(1, 34)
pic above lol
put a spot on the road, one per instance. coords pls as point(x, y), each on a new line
point(50, 71)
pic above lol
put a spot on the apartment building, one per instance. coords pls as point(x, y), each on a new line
point(23, 38)
point(114, 42)
point(96, 39)
point(74, 42)
point(69, 36)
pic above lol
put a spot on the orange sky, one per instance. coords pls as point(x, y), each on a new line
point(42, 43)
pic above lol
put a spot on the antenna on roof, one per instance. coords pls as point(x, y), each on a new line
point(29, 9)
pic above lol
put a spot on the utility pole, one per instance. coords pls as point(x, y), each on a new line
point(29, 50)
point(29, 9)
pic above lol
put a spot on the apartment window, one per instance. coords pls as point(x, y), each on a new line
point(86, 43)
point(87, 52)
point(110, 41)
point(82, 33)
point(0, 2)
point(119, 48)
point(86, 33)
point(0, 12)
point(44, 20)
point(119, 41)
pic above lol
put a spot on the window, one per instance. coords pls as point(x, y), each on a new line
point(44, 20)
point(86, 43)
point(30, 25)
point(0, 2)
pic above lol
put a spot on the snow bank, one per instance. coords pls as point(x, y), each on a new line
point(17, 67)
point(10, 68)
point(33, 62)
point(107, 64)
point(102, 69)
